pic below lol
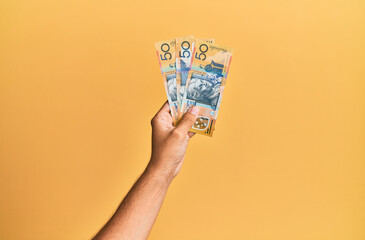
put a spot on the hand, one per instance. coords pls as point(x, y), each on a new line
point(136, 214)
point(169, 143)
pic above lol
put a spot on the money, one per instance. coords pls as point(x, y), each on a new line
point(205, 84)
point(166, 56)
point(194, 72)
point(184, 54)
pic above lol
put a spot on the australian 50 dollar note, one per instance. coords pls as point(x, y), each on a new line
point(184, 55)
point(205, 84)
point(166, 57)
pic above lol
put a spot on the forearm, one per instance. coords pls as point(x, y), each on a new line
point(136, 214)
point(138, 211)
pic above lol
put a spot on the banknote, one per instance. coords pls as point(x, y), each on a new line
point(166, 57)
point(205, 84)
point(184, 54)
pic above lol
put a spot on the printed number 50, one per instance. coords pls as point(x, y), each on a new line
point(186, 49)
point(166, 52)
point(203, 49)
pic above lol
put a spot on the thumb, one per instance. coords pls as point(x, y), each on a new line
point(188, 120)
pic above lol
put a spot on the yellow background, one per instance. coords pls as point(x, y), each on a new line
point(80, 81)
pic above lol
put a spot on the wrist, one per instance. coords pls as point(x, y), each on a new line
point(159, 174)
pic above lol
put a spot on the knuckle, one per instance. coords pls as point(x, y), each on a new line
point(153, 121)
point(190, 117)
point(177, 134)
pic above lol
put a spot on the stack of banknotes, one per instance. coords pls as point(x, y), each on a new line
point(194, 72)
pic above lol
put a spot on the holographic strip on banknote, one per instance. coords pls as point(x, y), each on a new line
point(166, 57)
point(205, 84)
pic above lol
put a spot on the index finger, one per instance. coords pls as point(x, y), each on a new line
point(165, 108)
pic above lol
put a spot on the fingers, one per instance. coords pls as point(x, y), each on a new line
point(165, 107)
point(162, 114)
point(188, 120)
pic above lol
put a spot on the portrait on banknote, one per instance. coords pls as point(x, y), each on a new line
point(203, 90)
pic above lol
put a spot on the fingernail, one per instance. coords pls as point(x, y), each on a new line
point(194, 110)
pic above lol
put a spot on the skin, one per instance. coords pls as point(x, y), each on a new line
point(137, 213)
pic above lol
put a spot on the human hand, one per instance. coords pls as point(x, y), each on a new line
point(169, 143)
